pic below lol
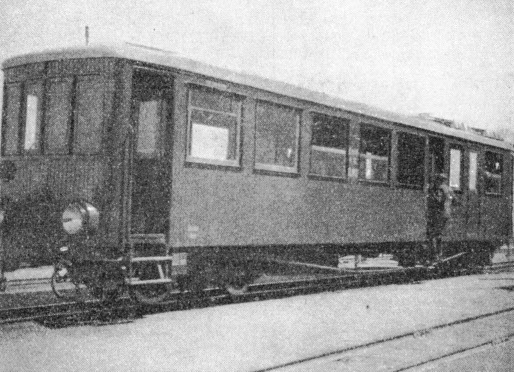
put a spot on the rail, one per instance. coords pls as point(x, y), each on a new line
point(82, 311)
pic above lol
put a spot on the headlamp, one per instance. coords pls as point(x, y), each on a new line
point(80, 216)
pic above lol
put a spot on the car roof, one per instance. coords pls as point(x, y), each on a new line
point(161, 57)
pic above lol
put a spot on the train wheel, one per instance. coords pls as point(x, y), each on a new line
point(237, 287)
point(237, 280)
point(151, 294)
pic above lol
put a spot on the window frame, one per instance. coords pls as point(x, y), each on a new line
point(461, 149)
point(69, 136)
point(346, 122)
point(501, 175)
point(5, 113)
point(25, 89)
point(387, 182)
point(75, 105)
point(424, 138)
point(238, 115)
point(274, 168)
point(41, 84)
point(477, 170)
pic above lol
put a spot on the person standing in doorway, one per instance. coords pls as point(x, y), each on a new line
point(439, 213)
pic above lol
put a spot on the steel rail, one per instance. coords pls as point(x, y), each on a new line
point(213, 296)
point(384, 340)
point(490, 342)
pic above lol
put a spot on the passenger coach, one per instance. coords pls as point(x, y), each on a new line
point(138, 155)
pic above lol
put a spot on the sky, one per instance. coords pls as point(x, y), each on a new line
point(452, 59)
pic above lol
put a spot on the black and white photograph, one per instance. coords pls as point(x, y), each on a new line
point(250, 186)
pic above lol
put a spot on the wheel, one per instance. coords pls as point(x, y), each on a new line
point(237, 287)
point(237, 279)
point(151, 294)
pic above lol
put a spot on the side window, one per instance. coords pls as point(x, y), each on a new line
point(33, 110)
point(473, 166)
point(411, 160)
point(214, 124)
point(374, 153)
point(276, 137)
point(58, 116)
point(456, 168)
point(88, 120)
point(329, 146)
point(10, 130)
point(493, 171)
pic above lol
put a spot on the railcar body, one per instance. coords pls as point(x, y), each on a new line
point(216, 168)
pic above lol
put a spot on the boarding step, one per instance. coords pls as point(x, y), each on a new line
point(137, 281)
point(148, 239)
point(152, 259)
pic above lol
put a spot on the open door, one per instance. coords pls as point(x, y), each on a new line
point(150, 264)
point(151, 163)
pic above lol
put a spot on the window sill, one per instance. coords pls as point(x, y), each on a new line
point(493, 194)
point(275, 170)
point(213, 163)
point(409, 186)
point(319, 177)
point(374, 183)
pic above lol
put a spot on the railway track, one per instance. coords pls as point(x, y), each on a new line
point(440, 337)
point(71, 313)
point(94, 312)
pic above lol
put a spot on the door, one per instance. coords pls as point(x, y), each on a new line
point(151, 163)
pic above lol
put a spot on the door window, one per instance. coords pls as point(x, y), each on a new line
point(455, 168)
point(473, 164)
point(149, 120)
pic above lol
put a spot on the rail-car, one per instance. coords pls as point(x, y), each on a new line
point(157, 169)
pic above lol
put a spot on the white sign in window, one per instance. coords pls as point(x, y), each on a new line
point(209, 142)
point(31, 123)
point(472, 171)
point(455, 171)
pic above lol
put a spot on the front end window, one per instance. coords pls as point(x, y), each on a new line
point(89, 115)
point(11, 125)
point(33, 98)
point(57, 115)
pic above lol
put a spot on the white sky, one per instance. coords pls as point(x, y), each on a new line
point(450, 58)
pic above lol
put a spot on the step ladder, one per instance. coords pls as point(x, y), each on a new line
point(163, 263)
